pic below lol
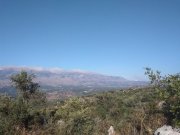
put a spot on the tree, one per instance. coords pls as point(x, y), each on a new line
point(25, 87)
point(25, 110)
point(168, 90)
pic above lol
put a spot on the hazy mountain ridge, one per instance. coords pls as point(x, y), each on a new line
point(59, 79)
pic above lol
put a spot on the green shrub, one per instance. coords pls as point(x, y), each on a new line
point(168, 88)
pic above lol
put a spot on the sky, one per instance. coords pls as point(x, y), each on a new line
point(113, 37)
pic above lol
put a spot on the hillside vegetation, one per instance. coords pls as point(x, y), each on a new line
point(130, 112)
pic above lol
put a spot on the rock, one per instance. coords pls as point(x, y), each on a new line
point(161, 105)
point(111, 131)
point(60, 122)
point(167, 130)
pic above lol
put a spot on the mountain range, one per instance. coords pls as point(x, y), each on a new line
point(56, 79)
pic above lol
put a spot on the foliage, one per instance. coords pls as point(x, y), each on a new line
point(20, 114)
point(129, 112)
point(26, 88)
point(132, 111)
point(169, 91)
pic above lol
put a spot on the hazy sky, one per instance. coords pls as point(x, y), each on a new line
point(115, 37)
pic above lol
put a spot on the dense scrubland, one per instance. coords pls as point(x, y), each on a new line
point(130, 112)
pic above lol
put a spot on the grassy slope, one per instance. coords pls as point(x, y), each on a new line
point(130, 112)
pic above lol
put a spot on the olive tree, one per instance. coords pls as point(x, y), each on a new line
point(26, 88)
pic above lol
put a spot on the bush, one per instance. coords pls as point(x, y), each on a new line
point(168, 88)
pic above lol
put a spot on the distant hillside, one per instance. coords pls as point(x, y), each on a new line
point(68, 80)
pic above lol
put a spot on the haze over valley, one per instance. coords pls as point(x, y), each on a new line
point(69, 82)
